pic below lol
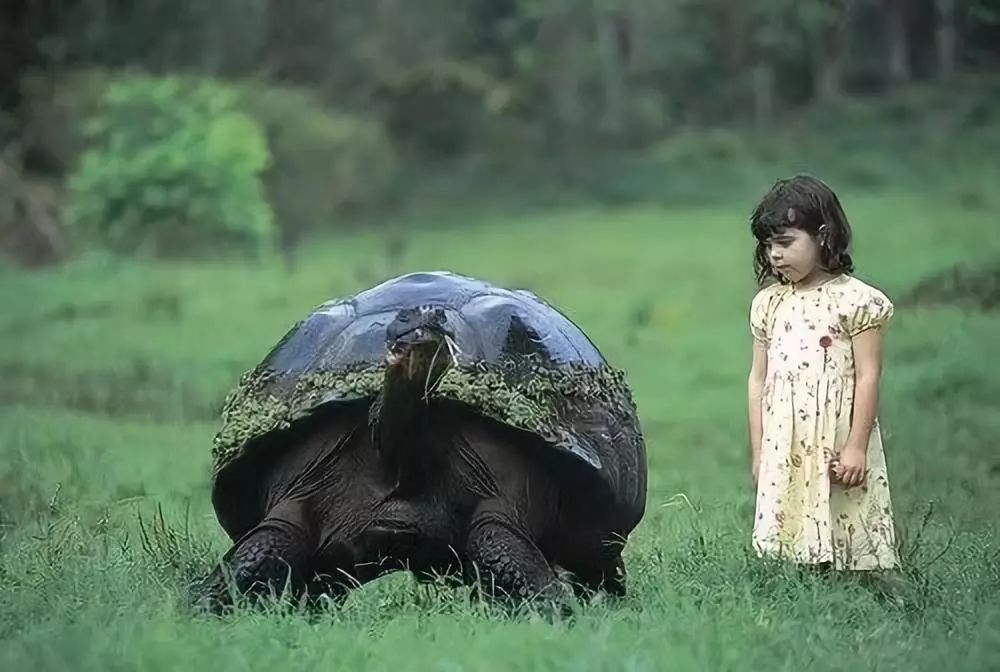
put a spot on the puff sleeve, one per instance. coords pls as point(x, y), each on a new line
point(759, 309)
point(873, 309)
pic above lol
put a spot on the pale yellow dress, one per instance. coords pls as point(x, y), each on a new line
point(807, 409)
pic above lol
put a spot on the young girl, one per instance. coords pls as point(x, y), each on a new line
point(822, 490)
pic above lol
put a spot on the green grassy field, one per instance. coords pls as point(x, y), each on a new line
point(111, 376)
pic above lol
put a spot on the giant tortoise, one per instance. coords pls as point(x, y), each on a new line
point(438, 424)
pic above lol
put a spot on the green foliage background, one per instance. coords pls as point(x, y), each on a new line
point(172, 167)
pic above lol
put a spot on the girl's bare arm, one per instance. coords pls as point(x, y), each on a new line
point(755, 390)
point(868, 372)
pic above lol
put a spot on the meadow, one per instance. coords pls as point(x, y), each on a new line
point(112, 374)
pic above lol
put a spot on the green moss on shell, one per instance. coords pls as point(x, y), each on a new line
point(540, 399)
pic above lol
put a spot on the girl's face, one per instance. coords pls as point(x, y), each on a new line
point(794, 254)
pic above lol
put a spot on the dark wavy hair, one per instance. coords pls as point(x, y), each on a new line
point(806, 203)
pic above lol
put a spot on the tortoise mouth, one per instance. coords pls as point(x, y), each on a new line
point(422, 353)
point(416, 337)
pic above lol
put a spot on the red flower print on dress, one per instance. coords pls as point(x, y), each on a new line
point(825, 342)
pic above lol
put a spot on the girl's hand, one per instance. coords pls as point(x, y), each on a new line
point(755, 469)
point(834, 470)
point(851, 467)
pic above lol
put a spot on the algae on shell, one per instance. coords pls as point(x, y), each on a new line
point(543, 399)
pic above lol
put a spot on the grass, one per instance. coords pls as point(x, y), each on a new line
point(112, 373)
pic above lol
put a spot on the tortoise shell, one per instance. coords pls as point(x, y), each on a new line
point(518, 360)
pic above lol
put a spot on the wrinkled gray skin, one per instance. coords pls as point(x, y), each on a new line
point(428, 487)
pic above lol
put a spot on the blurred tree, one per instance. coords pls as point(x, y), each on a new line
point(577, 71)
point(326, 165)
point(947, 38)
point(512, 80)
point(827, 25)
point(31, 231)
point(23, 25)
point(174, 169)
point(980, 30)
point(18, 50)
point(897, 37)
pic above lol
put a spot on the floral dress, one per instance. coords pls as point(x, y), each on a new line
point(807, 407)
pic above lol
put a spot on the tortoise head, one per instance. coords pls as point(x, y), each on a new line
point(418, 344)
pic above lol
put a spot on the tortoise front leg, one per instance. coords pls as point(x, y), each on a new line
point(505, 562)
point(275, 554)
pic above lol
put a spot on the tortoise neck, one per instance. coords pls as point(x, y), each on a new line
point(402, 426)
point(401, 405)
